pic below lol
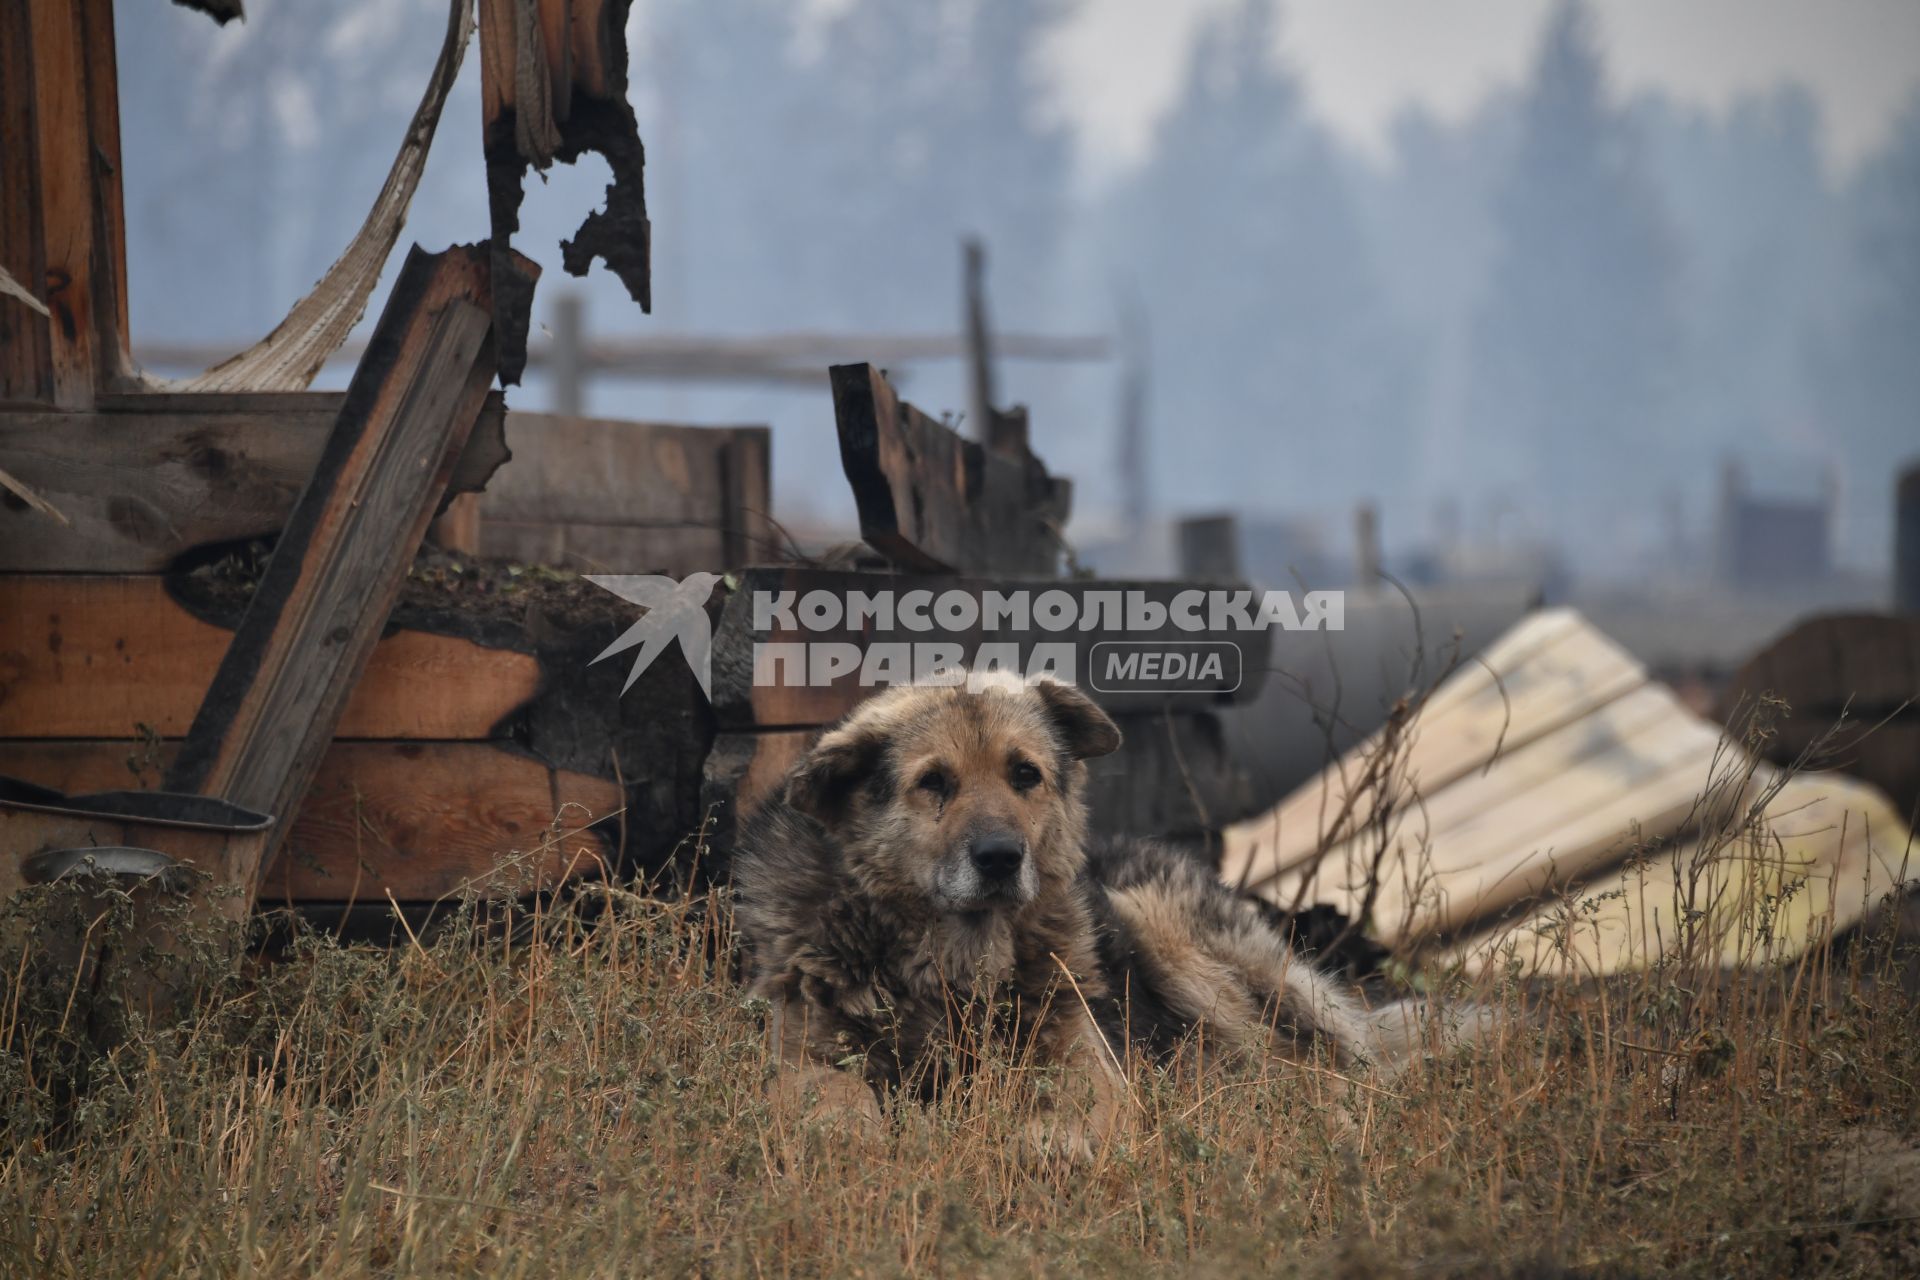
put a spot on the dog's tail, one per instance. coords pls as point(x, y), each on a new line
point(1401, 1032)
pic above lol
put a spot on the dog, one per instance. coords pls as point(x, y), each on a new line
point(924, 877)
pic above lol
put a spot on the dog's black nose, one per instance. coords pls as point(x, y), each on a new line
point(997, 857)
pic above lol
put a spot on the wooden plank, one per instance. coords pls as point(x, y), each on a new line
point(420, 819)
point(521, 126)
point(144, 479)
point(1551, 671)
point(1592, 817)
point(65, 183)
point(101, 55)
point(747, 532)
point(1552, 810)
point(750, 693)
point(630, 497)
point(933, 502)
point(26, 358)
point(95, 657)
point(1822, 854)
point(333, 579)
point(457, 529)
point(62, 144)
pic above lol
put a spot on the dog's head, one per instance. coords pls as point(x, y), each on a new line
point(964, 798)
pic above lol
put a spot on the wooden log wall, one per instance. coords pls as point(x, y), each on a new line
point(146, 479)
point(479, 749)
point(630, 497)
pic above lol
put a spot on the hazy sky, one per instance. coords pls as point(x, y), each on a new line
point(1362, 61)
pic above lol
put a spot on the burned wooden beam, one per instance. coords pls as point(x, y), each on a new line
point(553, 86)
point(145, 479)
point(933, 502)
point(340, 563)
point(98, 655)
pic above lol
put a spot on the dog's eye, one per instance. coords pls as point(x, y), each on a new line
point(933, 782)
point(1025, 776)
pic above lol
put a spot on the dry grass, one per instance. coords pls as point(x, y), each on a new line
point(586, 1098)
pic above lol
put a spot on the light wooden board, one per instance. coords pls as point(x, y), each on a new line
point(1599, 778)
point(1826, 851)
point(423, 819)
point(1620, 732)
point(1552, 670)
point(1552, 812)
point(85, 656)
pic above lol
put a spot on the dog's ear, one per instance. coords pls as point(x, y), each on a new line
point(1085, 730)
point(823, 783)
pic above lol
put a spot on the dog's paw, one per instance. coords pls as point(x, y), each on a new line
point(1056, 1140)
point(832, 1099)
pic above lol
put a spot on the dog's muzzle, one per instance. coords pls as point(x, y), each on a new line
point(997, 859)
point(991, 871)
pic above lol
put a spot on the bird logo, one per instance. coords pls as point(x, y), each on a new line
point(672, 609)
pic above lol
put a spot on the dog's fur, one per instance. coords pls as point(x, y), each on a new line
point(876, 927)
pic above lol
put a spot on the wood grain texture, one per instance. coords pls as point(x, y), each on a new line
point(87, 656)
point(146, 478)
point(101, 54)
point(1548, 672)
point(933, 502)
point(26, 359)
point(1821, 854)
point(630, 497)
point(1552, 767)
point(65, 182)
point(423, 819)
point(338, 567)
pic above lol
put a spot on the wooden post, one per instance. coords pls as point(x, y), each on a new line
point(569, 356)
point(62, 223)
point(981, 398)
point(312, 623)
point(1135, 493)
point(1210, 549)
point(1906, 542)
point(1366, 546)
point(933, 501)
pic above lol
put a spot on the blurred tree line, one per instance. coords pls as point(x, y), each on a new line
point(1563, 308)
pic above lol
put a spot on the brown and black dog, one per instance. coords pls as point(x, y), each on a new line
point(925, 878)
